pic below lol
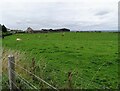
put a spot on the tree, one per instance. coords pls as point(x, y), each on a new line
point(4, 29)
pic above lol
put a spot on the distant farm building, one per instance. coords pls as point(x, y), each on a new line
point(30, 30)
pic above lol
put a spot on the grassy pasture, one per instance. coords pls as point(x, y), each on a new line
point(91, 57)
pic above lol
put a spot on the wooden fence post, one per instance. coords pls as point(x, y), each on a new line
point(11, 70)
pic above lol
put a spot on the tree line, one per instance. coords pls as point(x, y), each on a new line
point(3, 28)
point(4, 31)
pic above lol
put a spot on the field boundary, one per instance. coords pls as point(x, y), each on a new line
point(12, 74)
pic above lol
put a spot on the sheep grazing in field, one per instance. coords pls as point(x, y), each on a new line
point(18, 39)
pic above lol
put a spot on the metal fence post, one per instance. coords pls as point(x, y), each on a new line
point(11, 69)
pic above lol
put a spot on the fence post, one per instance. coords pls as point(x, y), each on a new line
point(11, 68)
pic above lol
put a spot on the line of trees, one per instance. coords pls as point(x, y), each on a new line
point(3, 28)
point(3, 31)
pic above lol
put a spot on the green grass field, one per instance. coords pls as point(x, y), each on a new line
point(91, 57)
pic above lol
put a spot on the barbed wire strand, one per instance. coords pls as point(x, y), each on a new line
point(22, 80)
point(15, 85)
point(12, 82)
point(7, 82)
point(82, 79)
point(96, 73)
point(7, 85)
point(36, 76)
point(26, 82)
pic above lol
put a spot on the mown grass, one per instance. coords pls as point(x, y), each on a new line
point(91, 57)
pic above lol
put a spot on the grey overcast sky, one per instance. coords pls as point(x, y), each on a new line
point(73, 14)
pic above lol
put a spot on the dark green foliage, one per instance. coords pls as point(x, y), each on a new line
point(4, 29)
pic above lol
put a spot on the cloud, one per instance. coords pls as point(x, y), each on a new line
point(102, 13)
point(74, 14)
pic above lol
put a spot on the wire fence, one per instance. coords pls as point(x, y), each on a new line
point(31, 86)
point(6, 83)
point(40, 79)
point(14, 85)
point(24, 80)
point(27, 83)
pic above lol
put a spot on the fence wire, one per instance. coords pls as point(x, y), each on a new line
point(7, 82)
point(96, 74)
point(7, 85)
point(25, 81)
point(15, 85)
point(40, 79)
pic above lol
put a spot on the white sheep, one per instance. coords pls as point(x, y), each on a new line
point(18, 39)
